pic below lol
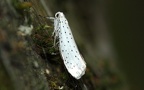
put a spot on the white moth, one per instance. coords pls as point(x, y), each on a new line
point(73, 61)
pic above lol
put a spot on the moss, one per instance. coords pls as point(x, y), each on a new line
point(21, 5)
point(34, 54)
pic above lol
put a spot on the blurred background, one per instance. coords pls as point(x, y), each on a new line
point(109, 34)
point(114, 30)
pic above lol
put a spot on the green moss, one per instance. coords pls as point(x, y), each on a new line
point(21, 5)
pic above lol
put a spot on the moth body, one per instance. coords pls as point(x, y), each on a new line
point(71, 56)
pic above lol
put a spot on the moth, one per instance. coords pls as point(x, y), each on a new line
point(71, 56)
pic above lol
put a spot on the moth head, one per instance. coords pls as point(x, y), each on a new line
point(59, 15)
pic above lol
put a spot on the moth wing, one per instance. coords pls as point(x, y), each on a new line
point(72, 59)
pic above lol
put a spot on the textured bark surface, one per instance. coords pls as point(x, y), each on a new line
point(30, 62)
